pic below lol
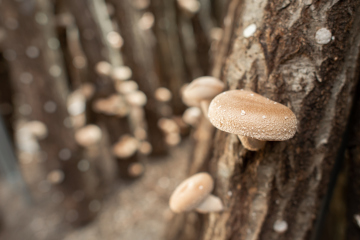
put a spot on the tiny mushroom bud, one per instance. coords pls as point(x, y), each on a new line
point(254, 118)
point(201, 91)
point(194, 193)
point(88, 135)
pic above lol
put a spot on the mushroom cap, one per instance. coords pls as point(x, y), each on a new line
point(202, 89)
point(191, 192)
point(246, 113)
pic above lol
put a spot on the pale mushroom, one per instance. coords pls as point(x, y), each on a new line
point(163, 94)
point(201, 91)
point(136, 98)
point(103, 68)
point(121, 73)
point(254, 118)
point(125, 87)
point(88, 135)
point(191, 116)
point(189, 6)
point(194, 193)
point(37, 129)
point(125, 147)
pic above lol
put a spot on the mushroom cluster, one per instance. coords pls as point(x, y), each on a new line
point(254, 118)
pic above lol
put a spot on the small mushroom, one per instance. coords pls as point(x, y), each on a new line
point(201, 91)
point(88, 135)
point(121, 73)
point(125, 147)
point(163, 94)
point(103, 68)
point(254, 118)
point(191, 116)
point(136, 98)
point(194, 193)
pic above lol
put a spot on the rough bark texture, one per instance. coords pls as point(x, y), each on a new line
point(353, 181)
point(283, 61)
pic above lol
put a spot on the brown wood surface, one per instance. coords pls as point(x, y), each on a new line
point(282, 61)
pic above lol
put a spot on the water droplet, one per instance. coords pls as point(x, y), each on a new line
point(286, 118)
point(242, 113)
point(264, 117)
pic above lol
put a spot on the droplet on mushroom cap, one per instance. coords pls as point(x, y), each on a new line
point(191, 192)
point(242, 113)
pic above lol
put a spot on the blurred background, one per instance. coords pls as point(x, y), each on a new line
point(93, 132)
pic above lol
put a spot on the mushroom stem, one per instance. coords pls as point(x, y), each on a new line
point(251, 144)
point(210, 204)
point(204, 105)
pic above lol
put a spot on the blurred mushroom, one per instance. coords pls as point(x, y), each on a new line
point(76, 103)
point(146, 21)
point(121, 73)
point(172, 139)
point(191, 116)
point(163, 94)
point(168, 125)
point(126, 87)
point(88, 90)
point(136, 98)
point(136, 169)
point(125, 147)
point(145, 148)
point(201, 91)
point(194, 193)
point(115, 40)
point(37, 129)
point(103, 68)
point(88, 135)
point(189, 6)
point(55, 176)
point(254, 118)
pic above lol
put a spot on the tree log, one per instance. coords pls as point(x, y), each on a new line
point(303, 54)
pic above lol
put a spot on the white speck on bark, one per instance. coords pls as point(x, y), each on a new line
point(250, 30)
point(280, 226)
point(323, 36)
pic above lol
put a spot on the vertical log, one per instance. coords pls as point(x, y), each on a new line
point(37, 75)
point(139, 55)
point(303, 55)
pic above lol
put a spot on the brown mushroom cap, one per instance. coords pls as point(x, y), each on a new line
point(246, 113)
point(191, 192)
point(202, 88)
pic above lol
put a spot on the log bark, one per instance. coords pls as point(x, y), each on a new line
point(284, 61)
